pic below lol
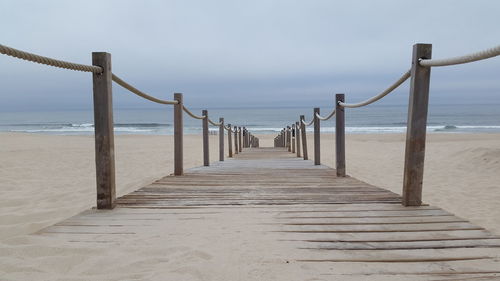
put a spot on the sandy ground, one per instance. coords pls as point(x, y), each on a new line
point(46, 179)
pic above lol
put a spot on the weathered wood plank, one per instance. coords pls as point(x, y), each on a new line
point(298, 211)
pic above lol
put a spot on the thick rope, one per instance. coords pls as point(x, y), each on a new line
point(379, 96)
point(139, 93)
point(192, 114)
point(307, 124)
point(228, 128)
point(48, 61)
point(325, 118)
point(486, 54)
point(213, 123)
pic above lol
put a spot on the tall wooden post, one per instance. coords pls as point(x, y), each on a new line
point(240, 141)
point(317, 147)
point(229, 141)
point(417, 125)
point(339, 136)
point(293, 138)
point(178, 135)
point(297, 137)
point(206, 148)
point(221, 139)
point(103, 130)
point(304, 137)
point(236, 140)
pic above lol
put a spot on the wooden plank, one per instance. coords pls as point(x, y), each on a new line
point(292, 211)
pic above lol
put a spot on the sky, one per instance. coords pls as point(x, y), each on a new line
point(255, 53)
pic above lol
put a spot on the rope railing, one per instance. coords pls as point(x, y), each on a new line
point(103, 121)
point(192, 114)
point(325, 118)
point(136, 91)
point(48, 61)
point(307, 124)
point(214, 123)
point(373, 99)
point(416, 123)
point(77, 67)
point(485, 54)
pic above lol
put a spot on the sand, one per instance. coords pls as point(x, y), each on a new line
point(46, 179)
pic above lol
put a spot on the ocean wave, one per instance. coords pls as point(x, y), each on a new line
point(158, 128)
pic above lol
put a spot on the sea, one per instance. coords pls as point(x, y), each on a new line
point(373, 119)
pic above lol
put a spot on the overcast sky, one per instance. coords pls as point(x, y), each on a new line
point(245, 53)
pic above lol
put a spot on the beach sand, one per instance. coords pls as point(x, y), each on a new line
point(46, 179)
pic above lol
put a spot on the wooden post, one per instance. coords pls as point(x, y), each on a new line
point(339, 136)
point(178, 135)
point(297, 137)
point(245, 131)
point(417, 125)
point(236, 140)
point(229, 141)
point(288, 139)
point(284, 137)
point(103, 130)
point(293, 138)
point(317, 152)
point(206, 148)
point(221, 139)
point(240, 141)
point(304, 137)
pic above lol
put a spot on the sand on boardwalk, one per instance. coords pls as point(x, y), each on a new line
point(46, 179)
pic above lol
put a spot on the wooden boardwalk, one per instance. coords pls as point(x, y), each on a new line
point(278, 217)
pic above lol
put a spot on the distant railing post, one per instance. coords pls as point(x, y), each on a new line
point(317, 152)
point(244, 133)
point(340, 136)
point(304, 137)
point(417, 125)
point(247, 137)
point(282, 139)
point(104, 135)
point(221, 139)
point(178, 135)
point(297, 137)
point(285, 135)
point(293, 138)
point(206, 148)
point(236, 140)
point(229, 141)
point(240, 141)
point(288, 139)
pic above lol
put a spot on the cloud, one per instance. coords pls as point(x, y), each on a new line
point(250, 52)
